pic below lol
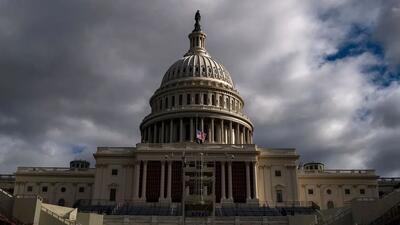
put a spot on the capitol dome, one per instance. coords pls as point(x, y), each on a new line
point(197, 94)
point(197, 66)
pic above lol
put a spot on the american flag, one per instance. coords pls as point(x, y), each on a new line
point(200, 135)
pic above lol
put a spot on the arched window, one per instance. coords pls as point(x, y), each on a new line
point(330, 205)
point(61, 202)
point(221, 101)
point(205, 99)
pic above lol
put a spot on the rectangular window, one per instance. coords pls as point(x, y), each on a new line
point(188, 99)
point(362, 191)
point(279, 196)
point(113, 193)
point(180, 99)
point(44, 189)
point(310, 191)
point(197, 99)
point(81, 189)
point(347, 191)
point(213, 100)
point(205, 99)
point(278, 173)
point(173, 101)
point(114, 172)
point(166, 102)
point(29, 188)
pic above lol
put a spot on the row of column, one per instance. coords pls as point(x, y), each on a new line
point(142, 196)
point(251, 190)
point(218, 131)
point(227, 102)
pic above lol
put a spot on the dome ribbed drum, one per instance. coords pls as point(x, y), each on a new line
point(197, 101)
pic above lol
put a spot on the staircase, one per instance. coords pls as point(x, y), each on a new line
point(61, 219)
point(6, 209)
point(392, 215)
point(337, 218)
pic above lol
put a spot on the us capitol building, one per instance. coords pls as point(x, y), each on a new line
point(197, 153)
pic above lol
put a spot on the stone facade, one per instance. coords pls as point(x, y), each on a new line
point(60, 186)
point(335, 188)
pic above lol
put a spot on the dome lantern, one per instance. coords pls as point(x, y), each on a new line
point(197, 38)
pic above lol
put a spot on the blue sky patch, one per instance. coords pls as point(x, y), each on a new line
point(360, 40)
point(78, 149)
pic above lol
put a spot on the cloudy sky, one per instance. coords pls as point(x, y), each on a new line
point(321, 76)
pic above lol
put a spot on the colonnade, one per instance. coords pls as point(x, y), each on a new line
point(217, 131)
point(219, 100)
point(226, 188)
point(251, 181)
point(143, 175)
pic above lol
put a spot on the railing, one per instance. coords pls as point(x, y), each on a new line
point(5, 193)
point(196, 107)
point(7, 177)
point(60, 218)
point(389, 179)
point(339, 215)
point(50, 169)
point(369, 172)
point(29, 196)
point(294, 204)
point(390, 215)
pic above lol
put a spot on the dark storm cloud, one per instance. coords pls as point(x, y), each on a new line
point(76, 75)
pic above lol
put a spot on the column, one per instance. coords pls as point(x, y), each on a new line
point(144, 179)
point(212, 130)
point(218, 132)
point(136, 181)
point(191, 129)
point(248, 193)
point(181, 130)
point(268, 193)
point(230, 196)
point(169, 180)
point(255, 188)
point(242, 135)
point(162, 132)
point(171, 131)
point(251, 137)
point(209, 133)
point(230, 136)
point(144, 135)
point(162, 180)
point(222, 132)
point(202, 124)
point(149, 137)
point(223, 194)
point(237, 134)
point(155, 133)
